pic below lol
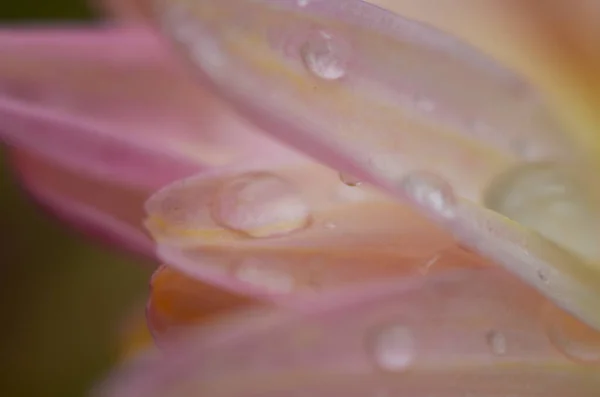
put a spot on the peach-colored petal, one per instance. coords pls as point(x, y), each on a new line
point(292, 229)
point(476, 332)
point(403, 94)
point(381, 97)
point(178, 302)
point(555, 43)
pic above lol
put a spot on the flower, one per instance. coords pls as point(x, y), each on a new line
point(439, 149)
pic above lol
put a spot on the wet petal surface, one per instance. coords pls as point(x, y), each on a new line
point(475, 331)
point(293, 230)
point(384, 99)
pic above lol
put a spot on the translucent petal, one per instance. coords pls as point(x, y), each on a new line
point(291, 230)
point(473, 332)
point(408, 93)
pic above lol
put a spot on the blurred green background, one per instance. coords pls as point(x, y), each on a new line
point(63, 299)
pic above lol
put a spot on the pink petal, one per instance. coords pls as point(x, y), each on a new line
point(107, 210)
point(475, 331)
point(84, 99)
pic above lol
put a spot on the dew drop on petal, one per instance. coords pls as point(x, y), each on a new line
point(325, 55)
point(350, 180)
point(260, 205)
point(550, 200)
point(394, 348)
point(571, 337)
point(431, 192)
point(543, 276)
point(497, 342)
point(303, 3)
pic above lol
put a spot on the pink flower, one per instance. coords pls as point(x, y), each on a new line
point(425, 158)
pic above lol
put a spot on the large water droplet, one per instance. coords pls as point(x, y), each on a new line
point(325, 55)
point(266, 276)
point(431, 192)
point(550, 200)
point(260, 205)
point(497, 342)
point(394, 348)
point(571, 337)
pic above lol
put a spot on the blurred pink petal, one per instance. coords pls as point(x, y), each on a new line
point(98, 126)
point(84, 99)
point(107, 210)
point(476, 332)
point(405, 107)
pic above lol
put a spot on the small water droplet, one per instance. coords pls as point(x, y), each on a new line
point(571, 337)
point(325, 55)
point(330, 225)
point(497, 342)
point(432, 192)
point(394, 348)
point(303, 3)
point(265, 276)
point(260, 205)
point(350, 180)
point(543, 276)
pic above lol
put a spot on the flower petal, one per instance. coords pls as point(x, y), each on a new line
point(365, 90)
point(292, 229)
point(554, 43)
point(107, 210)
point(178, 302)
point(84, 99)
point(475, 331)
point(381, 97)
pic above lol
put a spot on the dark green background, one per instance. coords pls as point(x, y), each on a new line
point(62, 298)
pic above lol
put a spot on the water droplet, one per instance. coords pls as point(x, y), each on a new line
point(350, 180)
point(325, 55)
point(394, 348)
point(571, 337)
point(543, 276)
point(497, 342)
point(551, 200)
point(303, 3)
point(432, 192)
point(330, 225)
point(265, 276)
point(260, 205)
